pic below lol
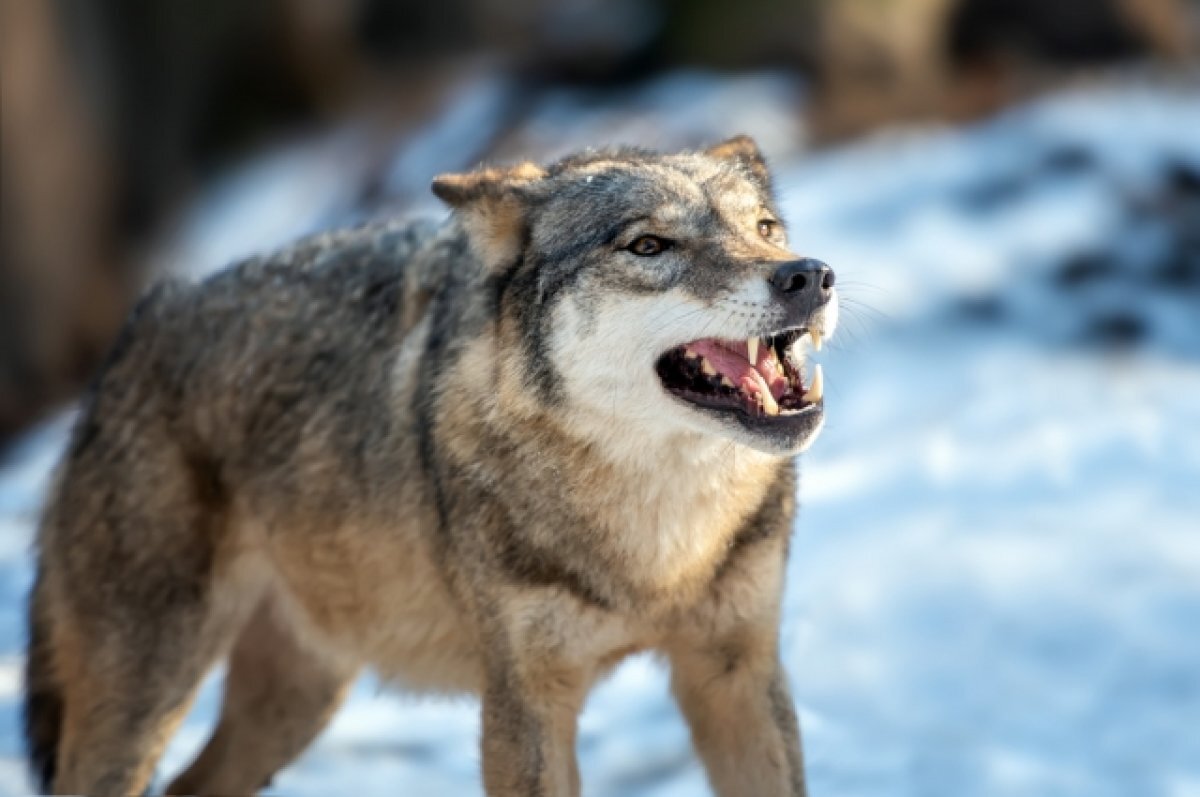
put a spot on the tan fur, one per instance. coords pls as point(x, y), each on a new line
point(425, 500)
point(491, 213)
point(281, 693)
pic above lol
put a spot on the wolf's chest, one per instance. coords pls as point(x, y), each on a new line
point(673, 531)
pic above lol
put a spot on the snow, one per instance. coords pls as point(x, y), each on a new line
point(995, 580)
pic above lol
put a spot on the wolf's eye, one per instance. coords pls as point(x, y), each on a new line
point(649, 245)
point(766, 228)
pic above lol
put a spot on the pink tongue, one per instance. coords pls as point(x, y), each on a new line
point(726, 357)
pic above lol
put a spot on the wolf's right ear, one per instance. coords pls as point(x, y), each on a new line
point(743, 151)
point(493, 206)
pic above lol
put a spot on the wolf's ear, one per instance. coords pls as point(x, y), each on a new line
point(457, 190)
point(744, 152)
point(493, 205)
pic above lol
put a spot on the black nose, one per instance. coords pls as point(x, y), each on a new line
point(804, 275)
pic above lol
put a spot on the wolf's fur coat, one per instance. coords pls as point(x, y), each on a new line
point(442, 452)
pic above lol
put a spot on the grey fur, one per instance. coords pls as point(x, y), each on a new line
point(373, 449)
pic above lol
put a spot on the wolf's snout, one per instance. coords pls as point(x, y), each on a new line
point(804, 276)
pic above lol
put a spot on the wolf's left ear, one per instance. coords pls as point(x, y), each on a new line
point(744, 152)
point(493, 205)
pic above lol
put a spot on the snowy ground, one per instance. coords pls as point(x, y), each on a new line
point(995, 585)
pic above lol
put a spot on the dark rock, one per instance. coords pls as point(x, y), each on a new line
point(1069, 159)
point(1117, 328)
point(982, 309)
point(1183, 179)
point(1084, 269)
point(1180, 269)
point(992, 194)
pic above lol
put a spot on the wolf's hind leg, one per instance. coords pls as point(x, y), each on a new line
point(143, 583)
point(279, 694)
point(126, 687)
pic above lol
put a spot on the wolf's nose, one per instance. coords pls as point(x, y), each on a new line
point(805, 274)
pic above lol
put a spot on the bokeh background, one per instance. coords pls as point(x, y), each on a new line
point(995, 579)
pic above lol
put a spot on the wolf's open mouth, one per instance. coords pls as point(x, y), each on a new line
point(759, 376)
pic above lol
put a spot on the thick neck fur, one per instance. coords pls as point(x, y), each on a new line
point(659, 509)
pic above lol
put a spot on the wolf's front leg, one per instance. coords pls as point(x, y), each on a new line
point(531, 702)
point(736, 700)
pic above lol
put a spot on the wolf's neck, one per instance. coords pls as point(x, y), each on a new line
point(667, 505)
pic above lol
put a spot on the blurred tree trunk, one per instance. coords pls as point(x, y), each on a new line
point(61, 293)
point(881, 61)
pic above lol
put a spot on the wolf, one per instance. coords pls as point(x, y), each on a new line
point(495, 455)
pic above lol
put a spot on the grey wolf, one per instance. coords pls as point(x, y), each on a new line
point(495, 455)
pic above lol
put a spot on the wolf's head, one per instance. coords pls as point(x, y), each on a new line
point(652, 294)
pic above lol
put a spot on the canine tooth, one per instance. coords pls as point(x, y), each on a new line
point(817, 389)
point(815, 335)
point(765, 397)
point(726, 381)
point(752, 350)
point(690, 353)
point(770, 405)
point(707, 367)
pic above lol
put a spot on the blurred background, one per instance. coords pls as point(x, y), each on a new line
point(995, 581)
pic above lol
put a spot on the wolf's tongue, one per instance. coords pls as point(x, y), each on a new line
point(765, 376)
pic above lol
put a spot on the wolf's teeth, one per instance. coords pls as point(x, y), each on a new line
point(707, 367)
point(726, 381)
point(770, 405)
point(815, 335)
point(817, 389)
point(690, 353)
point(765, 397)
point(752, 350)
